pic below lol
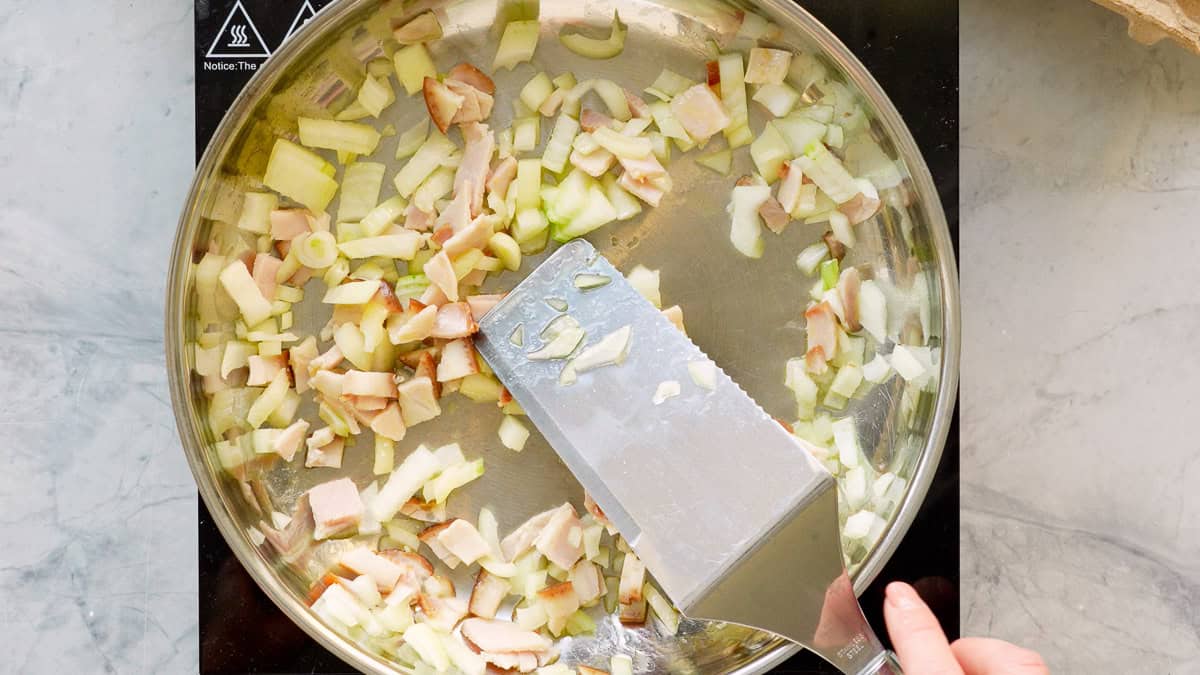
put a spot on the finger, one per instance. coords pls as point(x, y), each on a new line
point(919, 640)
point(985, 656)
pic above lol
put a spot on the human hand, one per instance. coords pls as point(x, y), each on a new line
point(924, 650)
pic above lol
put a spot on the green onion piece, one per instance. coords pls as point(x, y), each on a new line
point(830, 273)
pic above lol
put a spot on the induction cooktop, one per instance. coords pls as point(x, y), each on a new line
point(911, 48)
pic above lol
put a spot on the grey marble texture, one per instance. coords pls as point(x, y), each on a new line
point(1080, 188)
point(1080, 241)
point(97, 507)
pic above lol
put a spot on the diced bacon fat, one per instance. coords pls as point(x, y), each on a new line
point(642, 190)
point(502, 175)
point(595, 163)
point(382, 571)
point(503, 637)
point(417, 401)
point(487, 594)
point(367, 403)
point(556, 542)
point(550, 105)
point(263, 369)
point(416, 219)
point(442, 613)
point(633, 577)
point(522, 538)
point(464, 541)
point(642, 169)
point(822, 329)
point(482, 304)
point(598, 513)
point(458, 360)
point(454, 320)
point(336, 507)
point(287, 224)
point(465, 72)
point(589, 584)
point(411, 326)
point(364, 383)
point(475, 235)
point(476, 160)
point(700, 112)
point(590, 120)
point(300, 357)
point(332, 358)
point(389, 423)
point(290, 439)
point(433, 295)
point(265, 268)
point(442, 103)
point(773, 215)
point(429, 536)
point(636, 105)
point(440, 271)
point(457, 213)
point(325, 455)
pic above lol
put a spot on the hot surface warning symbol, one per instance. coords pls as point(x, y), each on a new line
point(238, 37)
point(306, 12)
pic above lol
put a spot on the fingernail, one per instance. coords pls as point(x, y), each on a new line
point(902, 596)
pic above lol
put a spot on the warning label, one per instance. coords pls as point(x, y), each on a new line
point(238, 38)
point(302, 17)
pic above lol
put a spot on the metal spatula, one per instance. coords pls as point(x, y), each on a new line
point(732, 517)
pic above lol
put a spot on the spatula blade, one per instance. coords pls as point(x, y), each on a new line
point(695, 483)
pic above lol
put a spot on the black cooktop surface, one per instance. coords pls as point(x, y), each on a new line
point(910, 46)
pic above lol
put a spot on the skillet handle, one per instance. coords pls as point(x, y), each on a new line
point(884, 664)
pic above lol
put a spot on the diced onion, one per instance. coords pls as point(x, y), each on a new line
point(413, 64)
point(769, 151)
point(353, 137)
point(666, 389)
point(594, 48)
point(317, 250)
point(669, 84)
point(558, 148)
point(411, 138)
point(428, 157)
point(300, 174)
point(360, 190)
point(811, 257)
point(517, 44)
point(733, 95)
point(703, 373)
point(536, 91)
point(584, 281)
point(826, 170)
point(859, 525)
point(877, 370)
point(256, 212)
point(563, 334)
point(779, 99)
point(911, 362)
point(846, 382)
point(513, 434)
point(610, 350)
point(375, 95)
point(645, 282)
point(872, 310)
point(845, 437)
point(746, 229)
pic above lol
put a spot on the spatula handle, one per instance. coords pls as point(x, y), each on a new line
point(884, 664)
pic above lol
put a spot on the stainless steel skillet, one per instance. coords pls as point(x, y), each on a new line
point(743, 314)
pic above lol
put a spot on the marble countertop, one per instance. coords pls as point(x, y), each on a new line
point(1081, 523)
point(1080, 187)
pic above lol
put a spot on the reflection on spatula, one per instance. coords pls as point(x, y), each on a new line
point(732, 517)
